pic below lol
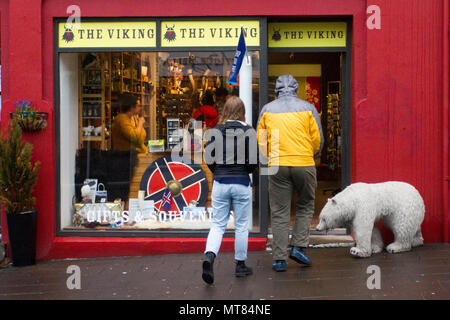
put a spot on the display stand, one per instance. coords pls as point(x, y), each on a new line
point(94, 101)
point(107, 76)
point(173, 132)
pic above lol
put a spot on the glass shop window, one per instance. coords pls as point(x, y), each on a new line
point(121, 114)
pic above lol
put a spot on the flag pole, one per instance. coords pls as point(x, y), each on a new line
point(245, 93)
point(245, 85)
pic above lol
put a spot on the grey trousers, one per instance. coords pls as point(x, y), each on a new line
point(303, 180)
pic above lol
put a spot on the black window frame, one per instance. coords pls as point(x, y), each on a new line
point(263, 205)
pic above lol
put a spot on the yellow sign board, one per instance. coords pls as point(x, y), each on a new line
point(208, 33)
point(307, 34)
point(106, 34)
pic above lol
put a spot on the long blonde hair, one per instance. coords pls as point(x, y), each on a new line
point(234, 109)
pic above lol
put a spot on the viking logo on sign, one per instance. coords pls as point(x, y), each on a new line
point(68, 34)
point(164, 170)
point(276, 34)
point(170, 34)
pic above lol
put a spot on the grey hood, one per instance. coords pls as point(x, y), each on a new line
point(286, 86)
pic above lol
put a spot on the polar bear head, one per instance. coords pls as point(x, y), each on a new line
point(334, 214)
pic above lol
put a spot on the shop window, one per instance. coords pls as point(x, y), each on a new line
point(116, 171)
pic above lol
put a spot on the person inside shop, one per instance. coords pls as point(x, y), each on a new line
point(128, 131)
point(207, 113)
point(231, 185)
point(221, 97)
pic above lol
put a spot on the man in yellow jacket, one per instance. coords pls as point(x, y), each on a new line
point(290, 130)
point(128, 131)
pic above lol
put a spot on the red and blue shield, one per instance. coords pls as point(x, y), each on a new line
point(190, 175)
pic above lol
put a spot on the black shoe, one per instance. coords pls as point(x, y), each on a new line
point(242, 270)
point(208, 273)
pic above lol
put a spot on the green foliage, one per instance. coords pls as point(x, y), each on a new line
point(17, 174)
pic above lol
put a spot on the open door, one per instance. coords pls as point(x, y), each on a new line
point(320, 77)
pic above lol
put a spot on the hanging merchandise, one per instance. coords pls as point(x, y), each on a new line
point(333, 131)
point(312, 93)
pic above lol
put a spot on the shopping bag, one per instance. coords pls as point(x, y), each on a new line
point(101, 196)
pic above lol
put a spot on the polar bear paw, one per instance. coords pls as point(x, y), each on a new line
point(416, 242)
point(355, 251)
point(397, 247)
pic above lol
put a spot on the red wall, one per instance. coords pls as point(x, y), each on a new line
point(397, 98)
point(398, 129)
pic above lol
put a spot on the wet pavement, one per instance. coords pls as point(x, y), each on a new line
point(423, 273)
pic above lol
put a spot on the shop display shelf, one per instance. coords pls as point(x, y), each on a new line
point(131, 92)
point(92, 138)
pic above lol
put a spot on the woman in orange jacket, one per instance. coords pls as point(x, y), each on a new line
point(128, 131)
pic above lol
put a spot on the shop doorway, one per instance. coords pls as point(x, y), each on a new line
point(321, 80)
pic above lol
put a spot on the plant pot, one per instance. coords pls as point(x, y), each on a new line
point(31, 124)
point(22, 237)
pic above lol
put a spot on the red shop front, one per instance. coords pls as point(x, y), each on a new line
point(382, 94)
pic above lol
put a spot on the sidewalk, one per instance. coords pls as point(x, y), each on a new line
point(423, 273)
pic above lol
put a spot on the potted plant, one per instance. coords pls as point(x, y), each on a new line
point(28, 118)
point(18, 177)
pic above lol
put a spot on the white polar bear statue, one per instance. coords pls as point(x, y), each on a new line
point(397, 204)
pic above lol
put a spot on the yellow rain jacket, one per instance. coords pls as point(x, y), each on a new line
point(289, 129)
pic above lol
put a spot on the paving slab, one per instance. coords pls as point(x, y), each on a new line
point(423, 273)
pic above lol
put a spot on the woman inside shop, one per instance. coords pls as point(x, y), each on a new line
point(221, 97)
point(231, 185)
point(128, 131)
point(207, 113)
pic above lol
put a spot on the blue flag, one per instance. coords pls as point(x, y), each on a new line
point(238, 57)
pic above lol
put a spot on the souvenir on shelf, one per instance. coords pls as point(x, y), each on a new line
point(333, 151)
point(103, 76)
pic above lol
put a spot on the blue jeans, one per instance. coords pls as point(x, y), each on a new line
point(222, 195)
